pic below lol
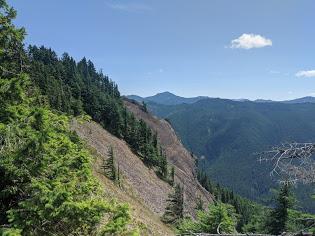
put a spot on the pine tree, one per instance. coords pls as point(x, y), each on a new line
point(163, 166)
point(109, 165)
point(172, 175)
point(118, 176)
point(174, 210)
point(279, 215)
point(12, 54)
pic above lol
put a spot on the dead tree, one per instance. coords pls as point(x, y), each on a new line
point(292, 162)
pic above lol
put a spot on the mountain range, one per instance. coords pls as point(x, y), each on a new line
point(168, 98)
point(226, 134)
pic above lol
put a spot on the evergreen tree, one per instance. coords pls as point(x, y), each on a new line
point(12, 55)
point(118, 176)
point(175, 208)
point(163, 166)
point(279, 215)
point(46, 184)
point(77, 88)
point(109, 165)
point(172, 176)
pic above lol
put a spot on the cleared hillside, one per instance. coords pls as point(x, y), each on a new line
point(177, 155)
point(141, 188)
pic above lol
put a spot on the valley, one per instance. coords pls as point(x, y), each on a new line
point(227, 135)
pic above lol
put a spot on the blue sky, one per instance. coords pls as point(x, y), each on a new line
point(219, 48)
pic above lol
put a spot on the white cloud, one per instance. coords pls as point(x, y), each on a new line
point(132, 7)
point(249, 41)
point(306, 73)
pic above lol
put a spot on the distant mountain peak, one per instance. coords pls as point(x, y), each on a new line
point(166, 93)
point(166, 98)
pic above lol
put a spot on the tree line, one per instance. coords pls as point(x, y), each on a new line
point(77, 88)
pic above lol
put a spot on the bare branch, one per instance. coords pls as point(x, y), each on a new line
point(292, 162)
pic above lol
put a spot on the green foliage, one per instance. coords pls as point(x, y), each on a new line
point(77, 88)
point(46, 184)
point(11, 43)
point(277, 222)
point(109, 165)
point(118, 221)
point(219, 218)
point(246, 209)
point(175, 208)
point(298, 221)
point(257, 221)
point(172, 176)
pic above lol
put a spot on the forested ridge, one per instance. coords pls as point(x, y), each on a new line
point(77, 88)
point(47, 186)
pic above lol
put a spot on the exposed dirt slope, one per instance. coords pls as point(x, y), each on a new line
point(141, 188)
point(177, 155)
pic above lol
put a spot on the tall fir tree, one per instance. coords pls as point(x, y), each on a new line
point(279, 215)
point(163, 165)
point(109, 165)
point(174, 210)
point(172, 176)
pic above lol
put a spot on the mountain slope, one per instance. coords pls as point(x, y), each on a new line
point(141, 188)
point(177, 155)
point(228, 133)
point(166, 98)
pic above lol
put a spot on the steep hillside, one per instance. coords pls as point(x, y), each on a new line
point(141, 188)
point(177, 155)
point(228, 133)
